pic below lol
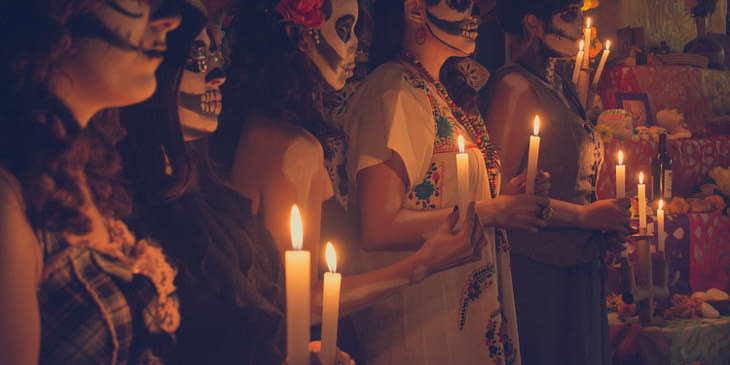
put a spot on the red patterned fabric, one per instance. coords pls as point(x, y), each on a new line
point(709, 251)
point(668, 87)
point(693, 159)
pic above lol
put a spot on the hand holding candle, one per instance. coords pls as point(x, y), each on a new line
point(532, 157)
point(298, 289)
point(578, 63)
point(330, 307)
point(620, 176)
point(602, 64)
point(642, 203)
point(462, 176)
point(660, 225)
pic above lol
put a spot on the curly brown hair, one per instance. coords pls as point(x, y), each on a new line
point(42, 144)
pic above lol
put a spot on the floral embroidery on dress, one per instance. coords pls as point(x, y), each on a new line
point(427, 194)
point(501, 348)
point(502, 243)
point(479, 279)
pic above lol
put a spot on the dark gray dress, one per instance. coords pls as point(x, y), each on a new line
point(558, 274)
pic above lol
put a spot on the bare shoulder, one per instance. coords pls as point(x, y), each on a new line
point(18, 242)
point(276, 138)
point(514, 83)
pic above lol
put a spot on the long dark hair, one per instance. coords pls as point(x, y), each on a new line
point(42, 144)
point(154, 133)
point(268, 74)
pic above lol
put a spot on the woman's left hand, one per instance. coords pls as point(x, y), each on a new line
point(517, 184)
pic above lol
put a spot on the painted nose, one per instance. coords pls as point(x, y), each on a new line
point(215, 82)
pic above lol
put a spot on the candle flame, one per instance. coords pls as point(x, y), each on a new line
point(296, 228)
point(608, 44)
point(536, 128)
point(331, 256)
point(661, 204)
point(620, 157)
point(641, 178)
point(582, 45)
point(461, 144)
point(588, 22)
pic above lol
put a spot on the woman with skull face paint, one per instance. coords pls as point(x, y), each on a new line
point(403, 128)
point(76, 286)
point(282, 61)
point(558, 272)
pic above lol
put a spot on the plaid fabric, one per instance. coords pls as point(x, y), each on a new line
point(85, 316)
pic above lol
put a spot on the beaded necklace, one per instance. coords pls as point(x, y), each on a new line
point(474, 125)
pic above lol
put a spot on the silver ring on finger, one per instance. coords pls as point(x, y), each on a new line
point(545, 213)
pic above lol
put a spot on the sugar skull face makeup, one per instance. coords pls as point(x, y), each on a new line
point(199, 97)
point(334, 54)
point(455, 23)
point(564, 31)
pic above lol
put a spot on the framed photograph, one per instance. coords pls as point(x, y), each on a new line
point(637, 105)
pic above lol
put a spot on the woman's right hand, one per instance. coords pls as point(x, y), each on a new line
point(514, 211)
point(448, 248)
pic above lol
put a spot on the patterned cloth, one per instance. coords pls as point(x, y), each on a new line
point(464, 315)
point(698, 93)
point(677, 342)
point(96, 311)
point(692, 160)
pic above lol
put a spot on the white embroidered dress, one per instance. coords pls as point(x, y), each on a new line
point(464, 315)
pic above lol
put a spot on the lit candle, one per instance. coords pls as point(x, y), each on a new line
point(602, 64)
point(297, 273)
point(462, 176)
point(642, 203)
point(578, 63)
point(587, 40)
point(330, 307)
point(532, 157)
point(660, 225)
point(620, 176)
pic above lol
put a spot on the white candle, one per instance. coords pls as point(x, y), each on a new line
point(587, 40)
point(330, 307)
point(620, 176)
point(532, 157)
point(578, 63)
point(462, 176)
point(642, 203)
point(297, 274)
point(602, 64)
point(660, 225)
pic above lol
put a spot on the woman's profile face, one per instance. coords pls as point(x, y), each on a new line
point(116, 64)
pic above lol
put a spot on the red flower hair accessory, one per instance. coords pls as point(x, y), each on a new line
point(303, 12)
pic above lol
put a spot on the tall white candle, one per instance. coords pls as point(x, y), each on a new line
point(602, 64)
point(587, 40)
point(330, 307)
point(297, 266)
point(462, 176)
point(642, 203)
point(620, 176)
point(660, 225)
point(532, 157)
point(578, 63)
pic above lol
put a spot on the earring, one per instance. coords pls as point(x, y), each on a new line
point(314, 33)
point(421, 35)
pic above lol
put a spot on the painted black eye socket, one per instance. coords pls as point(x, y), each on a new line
point(459, 5)
point(202, 58)
point(343, 27)
point(570, 15)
